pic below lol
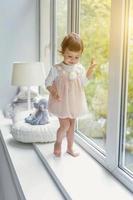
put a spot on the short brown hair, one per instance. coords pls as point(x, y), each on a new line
point(73, 42)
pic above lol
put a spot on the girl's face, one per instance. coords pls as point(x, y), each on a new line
point(71, 57)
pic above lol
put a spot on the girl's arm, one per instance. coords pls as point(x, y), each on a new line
point(53, 91)
point(50, 84)
point(50, 78)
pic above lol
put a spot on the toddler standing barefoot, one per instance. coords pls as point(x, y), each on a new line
point(65, 83)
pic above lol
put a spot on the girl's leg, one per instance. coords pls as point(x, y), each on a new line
point(70, 138)
point(64, 126)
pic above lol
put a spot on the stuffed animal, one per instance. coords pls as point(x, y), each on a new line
point(41, 116)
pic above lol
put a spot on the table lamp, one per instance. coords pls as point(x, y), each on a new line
point(28, 74)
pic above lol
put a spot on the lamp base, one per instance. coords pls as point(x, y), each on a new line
point(29, 99)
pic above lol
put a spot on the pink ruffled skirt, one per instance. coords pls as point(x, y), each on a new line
point(73, 101)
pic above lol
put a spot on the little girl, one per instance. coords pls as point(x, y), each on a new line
point(65, 83)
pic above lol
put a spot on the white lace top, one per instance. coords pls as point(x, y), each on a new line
point(73, 70)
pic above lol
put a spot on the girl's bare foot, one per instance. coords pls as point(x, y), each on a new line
point(73, 153)
point(57, 149)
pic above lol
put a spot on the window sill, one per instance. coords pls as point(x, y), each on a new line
point(77, 178)
point(82, 177)
point(29, 177)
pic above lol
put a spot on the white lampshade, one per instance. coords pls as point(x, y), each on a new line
point(28, 74)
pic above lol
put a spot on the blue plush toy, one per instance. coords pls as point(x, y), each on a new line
point(41, 116)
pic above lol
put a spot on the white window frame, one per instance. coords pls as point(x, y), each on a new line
point(45, 33)
point(110, 160)
point(53, 27)
point(72, 23)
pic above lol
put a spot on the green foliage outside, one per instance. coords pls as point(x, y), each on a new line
point(95, 29)
point(95, 32)
point(130, 91)
point(61, 25)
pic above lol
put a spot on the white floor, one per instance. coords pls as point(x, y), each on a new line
point(83, 177)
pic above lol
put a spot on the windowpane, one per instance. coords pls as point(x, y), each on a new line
point(128, 161)
point(45, 47)
point(61, 25)
point(94, 30)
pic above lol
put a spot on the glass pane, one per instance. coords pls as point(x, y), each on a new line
point(94, 30)
point(61, 25)
point(129, 116)
point(45, 47)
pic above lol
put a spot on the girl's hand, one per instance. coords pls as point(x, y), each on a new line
point(53, 91)
point(93, 63)
point(91, 68)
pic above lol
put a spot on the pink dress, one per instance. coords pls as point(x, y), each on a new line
point(71, 91)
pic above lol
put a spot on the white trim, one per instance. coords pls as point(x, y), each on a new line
point(124, 178)
point(69, 17)
point(91, 142)
point(121, 175)
point(124, 94)
point(45, 34)
point(74, 14)
point(115, 75)
point(91, 149)
point(53, 30)
point(77, 8)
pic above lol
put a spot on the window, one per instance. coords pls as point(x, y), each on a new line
point(94, 30)
point(127, 101)
point(106, 36)
point(106, 29)
point(45, 46)
point(60, 26)
point(45, 39)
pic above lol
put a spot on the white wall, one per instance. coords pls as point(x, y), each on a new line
point(19, 40)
